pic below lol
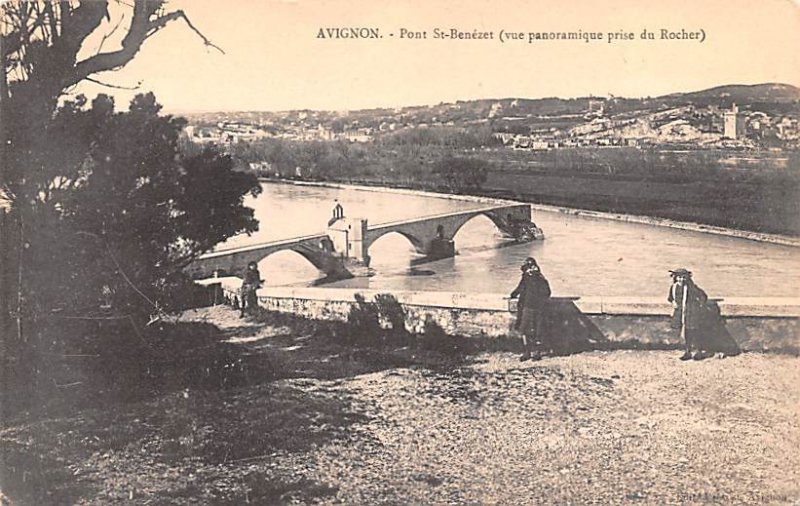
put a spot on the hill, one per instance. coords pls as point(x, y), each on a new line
point(746, 94)
point(769, 96)
point(768, 117)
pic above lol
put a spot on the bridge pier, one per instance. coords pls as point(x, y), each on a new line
point(440, 246)
point(348, 236)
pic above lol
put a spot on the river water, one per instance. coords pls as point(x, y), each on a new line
point(580, 255)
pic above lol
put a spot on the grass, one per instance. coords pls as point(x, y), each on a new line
point(753, 206)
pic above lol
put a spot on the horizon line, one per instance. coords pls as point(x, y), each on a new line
point(574, 97)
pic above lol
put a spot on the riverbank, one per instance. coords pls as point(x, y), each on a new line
point(317, 421)
point(784, 240)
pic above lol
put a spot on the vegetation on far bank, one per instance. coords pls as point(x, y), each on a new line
point(752, 191)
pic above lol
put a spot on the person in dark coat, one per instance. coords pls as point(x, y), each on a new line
point(519, 291)
point(701, 326)
point(251, 281)
point(533, 292)
point(688, 303)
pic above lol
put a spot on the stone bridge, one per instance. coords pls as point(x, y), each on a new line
point(345, 245)
point(314, 248)
point(429, 233)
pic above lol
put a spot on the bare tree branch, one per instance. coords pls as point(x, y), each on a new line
point(109, 34)
point(181, 14)
point(131, 43)
point(11, 42)
point(142, 27)
point(24, 15)
point(48, 8)
point(78, 22)
point(39, 21)
point(115, 86)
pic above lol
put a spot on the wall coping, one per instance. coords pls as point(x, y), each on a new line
point(770, 307)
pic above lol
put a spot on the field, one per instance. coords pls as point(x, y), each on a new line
point(747, 206)
point(714, 188)
point(294, 416)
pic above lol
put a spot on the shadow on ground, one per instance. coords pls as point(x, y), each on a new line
point(229, 435)
point(87, 414)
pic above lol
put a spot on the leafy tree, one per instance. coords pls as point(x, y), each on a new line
point(337, 126)
point(459, 173)
point(40, 44)
point(79, 186)
point(135, 211)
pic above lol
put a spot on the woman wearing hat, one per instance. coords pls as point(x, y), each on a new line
point(689, 303)
point(701, 326)
point(519, 291)
point(533, 292)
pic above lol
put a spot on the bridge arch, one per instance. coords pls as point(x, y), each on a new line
point(416, 242)
point(312, 259)
point(293, 265)
point(501, 223)
point(335, 250)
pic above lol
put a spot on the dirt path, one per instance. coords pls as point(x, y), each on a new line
point(624, 427)
point(605, 428)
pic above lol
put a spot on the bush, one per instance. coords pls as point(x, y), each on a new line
point(459, 173)
point(390, 311)
point(74, 363)
point(364, 320)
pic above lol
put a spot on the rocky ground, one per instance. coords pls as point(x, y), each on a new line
point(340, 424)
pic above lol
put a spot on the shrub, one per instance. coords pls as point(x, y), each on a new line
point(390, 311)
point(364, 319)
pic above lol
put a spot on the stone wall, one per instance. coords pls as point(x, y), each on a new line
point(754, 323)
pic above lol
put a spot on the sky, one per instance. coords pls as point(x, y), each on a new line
point(275, 60)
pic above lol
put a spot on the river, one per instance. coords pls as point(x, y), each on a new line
point(580, 255)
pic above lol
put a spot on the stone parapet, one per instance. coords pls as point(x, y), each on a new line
point(754, 323)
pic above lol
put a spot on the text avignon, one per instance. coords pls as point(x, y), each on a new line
point(348, 33)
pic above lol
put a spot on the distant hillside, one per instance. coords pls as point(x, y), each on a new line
point(525, 114)
point(745, 94)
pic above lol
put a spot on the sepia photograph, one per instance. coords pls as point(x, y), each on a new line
point(290, 252)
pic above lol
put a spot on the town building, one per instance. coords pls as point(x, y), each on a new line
point(734, 126)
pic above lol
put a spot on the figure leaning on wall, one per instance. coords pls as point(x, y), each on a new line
point(533, 291)
point(251, 281)
point(701, 327)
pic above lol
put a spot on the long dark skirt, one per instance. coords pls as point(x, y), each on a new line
point(532, 323)
point(249, 298)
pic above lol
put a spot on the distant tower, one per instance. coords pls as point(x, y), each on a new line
point(734, 123)
point(596, 105)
